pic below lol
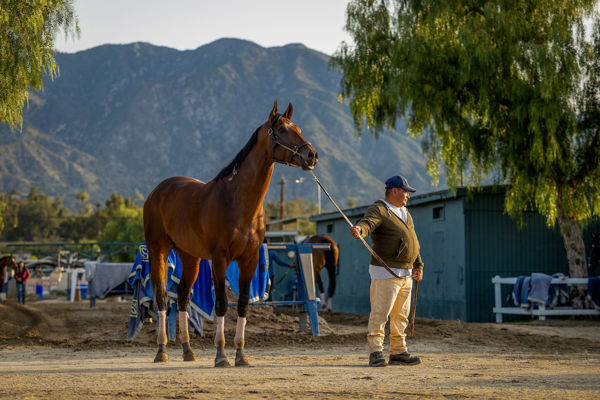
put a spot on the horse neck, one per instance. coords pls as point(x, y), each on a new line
point(254, 175)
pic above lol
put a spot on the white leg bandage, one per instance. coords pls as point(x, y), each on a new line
point(220, 332)
point(238, 340)
point(184, 336)
point(330, 303)
point(322, 297)
point(162, 327)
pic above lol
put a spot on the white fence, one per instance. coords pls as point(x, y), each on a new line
point(542, 311)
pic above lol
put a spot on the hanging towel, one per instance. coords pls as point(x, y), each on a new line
point(104, 277)
point(540, 285)
point(559, 292)
point(525, 288)
point(516, 293)
point(259, 286)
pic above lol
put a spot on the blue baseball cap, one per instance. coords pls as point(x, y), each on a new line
point(398, 182)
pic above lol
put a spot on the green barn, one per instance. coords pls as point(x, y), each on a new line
point(466, 239)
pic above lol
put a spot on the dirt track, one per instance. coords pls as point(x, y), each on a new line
point(64, 350)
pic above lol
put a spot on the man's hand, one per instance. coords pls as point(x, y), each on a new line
point(418, 274)
point(356, 231)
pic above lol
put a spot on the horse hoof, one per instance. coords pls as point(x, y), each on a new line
point(240, 358)
point(221, 363)
point(189, 356)
point(242, 362)
point(161, 356)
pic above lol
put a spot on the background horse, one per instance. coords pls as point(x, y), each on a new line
point(5, 263)
point(222, 220)
point(328, 259)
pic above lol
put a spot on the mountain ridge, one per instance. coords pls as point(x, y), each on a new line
point(120, 118)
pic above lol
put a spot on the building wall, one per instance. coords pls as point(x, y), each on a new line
point(495, 245)
point(441, 293)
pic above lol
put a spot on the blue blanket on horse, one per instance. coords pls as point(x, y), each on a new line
point(202, 301)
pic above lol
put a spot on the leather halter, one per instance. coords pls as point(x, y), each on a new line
point(294, 151)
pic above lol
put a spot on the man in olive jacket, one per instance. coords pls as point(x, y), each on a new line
point(394, 239)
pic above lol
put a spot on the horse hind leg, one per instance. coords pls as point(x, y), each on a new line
point(189, 275)
point(219, 267)
point(331, 288)
point(158, 255)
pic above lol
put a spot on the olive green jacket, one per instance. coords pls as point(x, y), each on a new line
point(393, 240)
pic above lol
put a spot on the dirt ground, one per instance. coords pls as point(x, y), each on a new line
point(55, 349)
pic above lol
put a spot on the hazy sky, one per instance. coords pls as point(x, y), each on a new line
point(188, 24)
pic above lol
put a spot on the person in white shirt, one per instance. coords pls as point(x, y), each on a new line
point(394, 239)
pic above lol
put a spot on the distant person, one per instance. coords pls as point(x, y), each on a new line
point(394, 239)
point(21, 277)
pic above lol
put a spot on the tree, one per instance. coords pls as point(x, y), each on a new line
point(82, 196)
point(28, 30)
point(34, 218)
point(509, 87)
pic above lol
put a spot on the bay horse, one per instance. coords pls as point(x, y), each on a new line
point(325, 259)
point(5, 263)
point(222, 220)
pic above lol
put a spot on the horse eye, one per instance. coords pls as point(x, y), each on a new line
point(281, 130)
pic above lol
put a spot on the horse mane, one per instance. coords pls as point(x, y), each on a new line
point(239, 158)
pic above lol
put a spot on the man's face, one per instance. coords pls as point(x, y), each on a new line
point(402, 196)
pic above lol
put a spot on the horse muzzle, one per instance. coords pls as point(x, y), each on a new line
point(308, 158)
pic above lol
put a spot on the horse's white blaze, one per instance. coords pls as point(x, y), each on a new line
point(220, 334)
point(162, 327)
point(238, 340)
point(184, 336)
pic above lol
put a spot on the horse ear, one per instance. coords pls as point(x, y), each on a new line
point(289, 112)
point(273, 113)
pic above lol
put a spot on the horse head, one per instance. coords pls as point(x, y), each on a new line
point(289, 147)
point(8, 261)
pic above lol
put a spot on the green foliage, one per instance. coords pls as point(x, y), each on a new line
point(82, 196)
point(125, 222)
point(32, 218)
point(38, 217)
point(295, 207)
point(28, 30)
point(494, 86)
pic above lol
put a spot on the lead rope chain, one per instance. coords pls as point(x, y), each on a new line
point(416, 283)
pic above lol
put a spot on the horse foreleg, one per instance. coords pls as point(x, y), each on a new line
point(319, 283)
point(245, 277)
point(189, 275)
point(219, 267)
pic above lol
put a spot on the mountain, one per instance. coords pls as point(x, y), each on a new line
point(120, 118)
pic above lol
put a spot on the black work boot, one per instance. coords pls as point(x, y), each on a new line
point(376, 359)
point(404, 359)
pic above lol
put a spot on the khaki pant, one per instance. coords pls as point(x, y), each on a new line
point(389, 298)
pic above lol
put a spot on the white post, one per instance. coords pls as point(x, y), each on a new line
point(319, 198)
point(73, 284)
point(542, 312)
point(498, 299)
